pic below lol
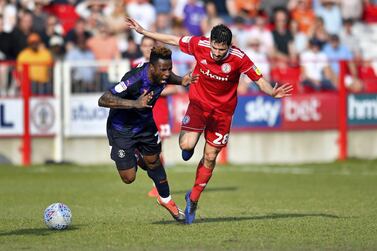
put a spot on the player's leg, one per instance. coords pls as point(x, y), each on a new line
point(202, 177)
point(216, 135)
point(187, 143)
point(122, 153)
point(193, 124)
point(157, 173)
point(125, 162)
point(149, 146)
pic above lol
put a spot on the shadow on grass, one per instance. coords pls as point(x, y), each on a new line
point(37, 231)
point(210, 189)
point(259, 217)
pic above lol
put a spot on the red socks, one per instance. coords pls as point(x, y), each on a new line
point(203, 175)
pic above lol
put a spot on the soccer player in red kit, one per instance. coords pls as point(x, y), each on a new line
point(213, 98)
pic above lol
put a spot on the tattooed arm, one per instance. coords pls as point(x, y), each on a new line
point(109, 100)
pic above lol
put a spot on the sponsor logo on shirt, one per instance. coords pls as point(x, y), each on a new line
point(226, 68)
point(214, 76)
point(121, 87)
point(203, 61)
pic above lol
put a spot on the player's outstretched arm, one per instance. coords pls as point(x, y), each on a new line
point(186, 80)
point(276, 91)
point(165, 38)
point(110, 100)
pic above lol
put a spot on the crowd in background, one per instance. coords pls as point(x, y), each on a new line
point(296, 41)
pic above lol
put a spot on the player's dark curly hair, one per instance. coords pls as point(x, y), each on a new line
point(160, 52)
point(221, 34)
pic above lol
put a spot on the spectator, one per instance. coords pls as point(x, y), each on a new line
point(240, 32)
point(261, 31)
point(246, 9)
point(300, 39)
point(104, 45)
point(21, 33)
point(133, 51)
point(5, 53)
point(348, 38)
point(316, 73)
point(329, 11)
point(40, 60)
point(335, 52)
point(303, 13)
point(82, 76)
point(50, 28)
point(9, 12)
point(283, 39)
point(64, 11)
point(193, 13)
point(319, 32)
point(212, 18)
point(270, 6)
point(77, 33)
point(351, 9)
point(56, 45)
point(144, 13)
point(39, 16)
point(254, 51)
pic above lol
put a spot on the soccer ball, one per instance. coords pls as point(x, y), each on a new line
point(58, 216)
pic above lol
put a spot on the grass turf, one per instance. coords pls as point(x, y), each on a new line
point(306, 207)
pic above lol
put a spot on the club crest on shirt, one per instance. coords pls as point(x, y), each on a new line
point(121, 153)
point(226, 68)
point(186, 120)
point(186, 39)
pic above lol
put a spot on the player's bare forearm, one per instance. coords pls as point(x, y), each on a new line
point(111, 101)
point(165, 38)
point(175, 79)
point(276, 91)
point(186, 80)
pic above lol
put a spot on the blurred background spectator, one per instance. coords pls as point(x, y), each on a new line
point(274, 33)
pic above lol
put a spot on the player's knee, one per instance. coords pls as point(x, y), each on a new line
point(185, 145)
point(210, 158)
point(152, 163)
point(128, 180)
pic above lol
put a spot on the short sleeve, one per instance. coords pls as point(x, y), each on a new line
point(188, 44)
point(127, 81)
point(250, 69)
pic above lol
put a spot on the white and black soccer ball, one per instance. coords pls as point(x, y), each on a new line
point(58, 216)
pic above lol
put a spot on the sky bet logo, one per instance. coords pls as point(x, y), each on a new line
point(263, 111)
point(3, 122)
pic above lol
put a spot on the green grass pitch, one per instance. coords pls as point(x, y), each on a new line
point(256, 207)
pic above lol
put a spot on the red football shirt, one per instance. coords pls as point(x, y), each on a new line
point(218, 81)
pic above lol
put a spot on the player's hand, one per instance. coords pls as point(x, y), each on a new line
point(282, 91)
point(189, 79)
point(143, 100)
point(132, 24)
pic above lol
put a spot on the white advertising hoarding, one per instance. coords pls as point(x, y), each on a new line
point(11, 117)
point(85, 117)
point(42, 116)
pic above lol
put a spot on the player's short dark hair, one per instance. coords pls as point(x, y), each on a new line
point(221, 34)
point(159, 52)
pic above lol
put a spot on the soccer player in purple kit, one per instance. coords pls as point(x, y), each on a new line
point(131, 127)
